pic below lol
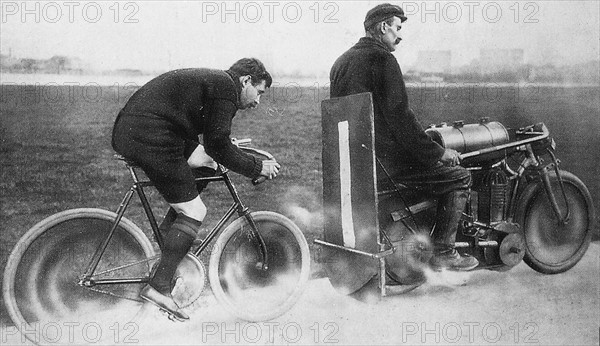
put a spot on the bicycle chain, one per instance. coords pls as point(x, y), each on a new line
point(114, 295)
point(128, 265)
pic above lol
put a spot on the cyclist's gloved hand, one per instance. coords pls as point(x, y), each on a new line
point(270, 169)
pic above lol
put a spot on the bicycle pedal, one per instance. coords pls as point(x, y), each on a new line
point(170, 316)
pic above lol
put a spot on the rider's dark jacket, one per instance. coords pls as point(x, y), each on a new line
point(191, 102)
point(400, 141)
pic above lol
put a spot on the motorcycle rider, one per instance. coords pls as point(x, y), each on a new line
point(408, 154)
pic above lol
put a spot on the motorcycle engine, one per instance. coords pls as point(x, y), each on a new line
point(491, 193)
point(492, 189)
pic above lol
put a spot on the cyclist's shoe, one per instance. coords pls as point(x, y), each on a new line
point(452, 260)
point(163, 302)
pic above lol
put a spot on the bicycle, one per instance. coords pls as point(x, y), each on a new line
point(88, 262)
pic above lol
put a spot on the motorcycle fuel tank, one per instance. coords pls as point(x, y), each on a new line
point(471, 137)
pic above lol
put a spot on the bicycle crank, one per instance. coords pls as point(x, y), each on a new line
point(189, 281)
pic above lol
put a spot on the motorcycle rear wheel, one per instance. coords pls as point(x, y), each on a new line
point(410, 239)
point(552, 247)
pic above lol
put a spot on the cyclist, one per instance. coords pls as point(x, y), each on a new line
point(159, 130)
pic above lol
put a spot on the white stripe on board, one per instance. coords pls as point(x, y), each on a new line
point(345, 185)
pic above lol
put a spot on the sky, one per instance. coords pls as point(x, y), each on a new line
point(289, 36)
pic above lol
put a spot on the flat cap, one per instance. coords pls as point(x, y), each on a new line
point(382, 12)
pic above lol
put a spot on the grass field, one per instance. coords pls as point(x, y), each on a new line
point(55, 147)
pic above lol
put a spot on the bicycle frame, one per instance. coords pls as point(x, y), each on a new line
point(138, 188)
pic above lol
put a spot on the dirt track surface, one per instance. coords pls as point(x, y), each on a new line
point(480, 308)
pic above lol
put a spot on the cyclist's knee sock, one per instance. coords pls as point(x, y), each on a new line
point(167, 222)
point(177, 243)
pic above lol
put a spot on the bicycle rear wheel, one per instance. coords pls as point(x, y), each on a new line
point(41, 278)
point(237, 279)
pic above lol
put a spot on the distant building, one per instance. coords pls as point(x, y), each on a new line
point(432, 62)
point(56, 65)
point(584, 73)
point(7, 62)
point(62, 64)
point(500, 60)
point(129, 72)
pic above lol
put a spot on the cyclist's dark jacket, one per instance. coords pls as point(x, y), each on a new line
point(159, 126)
point(196, 101)
point(400, 140)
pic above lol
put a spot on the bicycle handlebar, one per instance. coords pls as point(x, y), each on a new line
point(259, 180)
point(242, 144)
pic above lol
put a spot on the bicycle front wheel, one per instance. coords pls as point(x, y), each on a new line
point(41, 278)
point(239, 282)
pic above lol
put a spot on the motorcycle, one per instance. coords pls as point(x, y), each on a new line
point(522, 206)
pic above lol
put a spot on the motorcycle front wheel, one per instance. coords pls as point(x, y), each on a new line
point(553, 246)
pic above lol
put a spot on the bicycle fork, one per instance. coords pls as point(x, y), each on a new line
point(263, 247)
point(243, 211)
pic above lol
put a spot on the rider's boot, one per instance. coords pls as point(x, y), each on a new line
point(177, 242)
point(449, 213)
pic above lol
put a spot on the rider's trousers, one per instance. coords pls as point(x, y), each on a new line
point(449, 212)
point(450, 184)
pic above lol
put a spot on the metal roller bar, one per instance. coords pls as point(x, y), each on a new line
point(358, 252)
point(485, 243)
